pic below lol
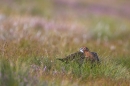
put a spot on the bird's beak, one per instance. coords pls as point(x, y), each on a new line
point(81, 50)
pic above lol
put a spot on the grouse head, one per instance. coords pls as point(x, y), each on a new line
point(84, 49)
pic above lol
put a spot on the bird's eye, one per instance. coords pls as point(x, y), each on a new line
point(84, 48)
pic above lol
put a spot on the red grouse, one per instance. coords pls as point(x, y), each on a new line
point(83, 54)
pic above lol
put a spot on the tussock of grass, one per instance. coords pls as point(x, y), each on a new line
point(13, 73)
point(106, 69)
point(125, 61)
point(33, 70)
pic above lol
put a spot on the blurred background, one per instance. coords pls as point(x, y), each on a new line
point(84, 21)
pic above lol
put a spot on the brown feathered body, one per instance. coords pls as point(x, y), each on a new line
point(77, 56)
point(80, 56)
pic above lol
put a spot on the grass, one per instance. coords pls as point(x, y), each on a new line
point(29, 67)
point(42, 70)
point(33, 35)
